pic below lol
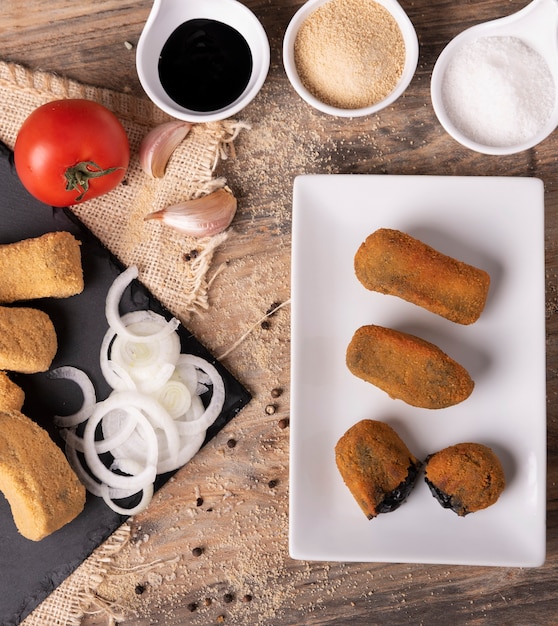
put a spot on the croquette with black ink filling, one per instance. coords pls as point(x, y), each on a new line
point(376, 466)
point(465, 477)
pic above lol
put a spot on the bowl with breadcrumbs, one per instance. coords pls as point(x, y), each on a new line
point(350, 58)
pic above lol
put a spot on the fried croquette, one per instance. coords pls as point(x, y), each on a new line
point(28, 341)
point(394, 263)
point(376, 466)
point(12, 395)
point(407, 368)
point(465, 478)
point(43, 267)
point(43, 491)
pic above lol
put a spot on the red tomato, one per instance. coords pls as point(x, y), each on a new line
point(69, 151)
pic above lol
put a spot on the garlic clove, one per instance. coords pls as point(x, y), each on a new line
point(158, 145)
point(201, 217)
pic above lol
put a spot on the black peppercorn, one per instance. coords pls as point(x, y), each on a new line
point(273, 308)
point(197, 551)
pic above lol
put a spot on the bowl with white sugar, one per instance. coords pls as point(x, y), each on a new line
point(350, 58)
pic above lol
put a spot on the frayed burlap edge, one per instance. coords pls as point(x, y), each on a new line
point(68, 603)
point(173, 266)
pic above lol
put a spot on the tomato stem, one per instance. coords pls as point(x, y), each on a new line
point(79, 175)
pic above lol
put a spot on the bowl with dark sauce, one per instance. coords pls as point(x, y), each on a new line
point(202, 60)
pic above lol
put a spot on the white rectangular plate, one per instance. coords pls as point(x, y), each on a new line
point(496, 223)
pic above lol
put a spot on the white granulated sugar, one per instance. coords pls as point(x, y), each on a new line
point(498, 91)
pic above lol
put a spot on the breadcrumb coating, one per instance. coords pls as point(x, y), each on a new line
point(43, 491)
point(465, 478)
point(28, 341)
point(394, 263)
point(376, 465)
point(43, 267)
point(407, 368)
point(12, 395)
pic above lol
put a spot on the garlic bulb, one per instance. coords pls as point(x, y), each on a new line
point(158, 145)
point(201, 217)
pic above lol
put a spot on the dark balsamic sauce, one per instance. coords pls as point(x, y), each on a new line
point(205, 65)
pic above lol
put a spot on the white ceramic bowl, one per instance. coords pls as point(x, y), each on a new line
point(165, 17)
point(536, 25)
point(411, 59)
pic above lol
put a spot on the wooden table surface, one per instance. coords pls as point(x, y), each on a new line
point(232, 500)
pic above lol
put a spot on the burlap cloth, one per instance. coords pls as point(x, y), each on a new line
point(178, 278)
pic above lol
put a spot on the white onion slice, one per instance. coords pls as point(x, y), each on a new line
point(84, 476)
point(188, 374)
point(146, 365)
point(126, 428)
point(79, 377)
point(112, 308)
point(175, 397)
point(195, 411)
point(134, 447)
point(215, 404)
point(189, 445)
point(110, 495)
point(132, 354)
point(152, 410)
point(99, 469)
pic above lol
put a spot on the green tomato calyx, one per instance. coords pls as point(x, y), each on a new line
point(79, 175)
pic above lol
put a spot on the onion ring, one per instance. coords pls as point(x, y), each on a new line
point(109, 495)
point(100, 470)
point(215, 404)
point(79, 377)
point(114, 295)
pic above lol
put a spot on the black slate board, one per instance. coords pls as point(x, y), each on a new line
point(30, 571)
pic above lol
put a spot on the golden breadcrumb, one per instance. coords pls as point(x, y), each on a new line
point(12, 396)
point(28, 341)
point(43, 491)
point(44, 267)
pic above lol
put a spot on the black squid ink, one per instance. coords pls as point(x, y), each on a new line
point(205, 65)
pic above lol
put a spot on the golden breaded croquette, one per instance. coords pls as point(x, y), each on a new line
point(465, 477)
point(12, 396)
point(28, 341)
point(376, 465)
point(43, 267)
point(407, 368)
point(43, 491)
point(394, 263)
